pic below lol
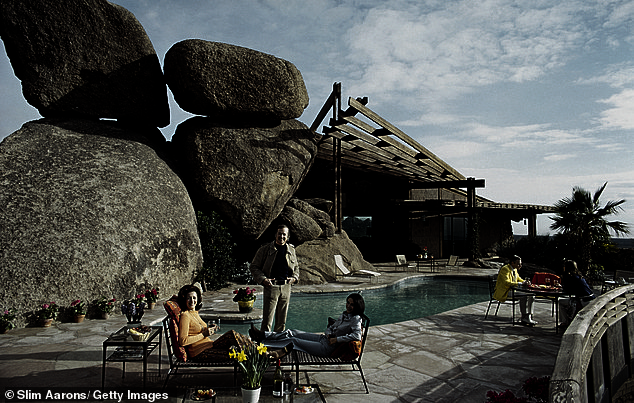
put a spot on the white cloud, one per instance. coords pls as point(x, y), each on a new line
point(621, 115)
point(434, 54)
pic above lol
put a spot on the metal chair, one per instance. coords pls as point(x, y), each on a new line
point(511, 300)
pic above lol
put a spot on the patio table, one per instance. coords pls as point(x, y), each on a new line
point(543, 292)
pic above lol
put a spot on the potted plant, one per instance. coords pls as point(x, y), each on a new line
point(48, 313)
point(245, 297)
point(105, 306)
point(133, 310)
point(6, 320)
point(253, 362)
point(151, 296)
point(78, 308)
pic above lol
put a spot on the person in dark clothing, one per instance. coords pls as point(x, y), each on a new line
point(575, 285)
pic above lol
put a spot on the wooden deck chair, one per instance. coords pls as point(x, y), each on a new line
point(341, 267)
point(401, 262)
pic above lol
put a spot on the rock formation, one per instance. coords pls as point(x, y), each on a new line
point(218, 79)
point(92, 208)
point(88, 58)
point(248, 156)
point(317, 261)
point(88, 210)
point(246, 173)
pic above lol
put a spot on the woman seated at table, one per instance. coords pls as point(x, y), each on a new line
point(574, 284)
point(508, 277)
point(346, 328)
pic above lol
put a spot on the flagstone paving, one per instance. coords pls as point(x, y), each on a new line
point(456, 356)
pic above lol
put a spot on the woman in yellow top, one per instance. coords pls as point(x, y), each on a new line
point(193, 332)
point(509, 277)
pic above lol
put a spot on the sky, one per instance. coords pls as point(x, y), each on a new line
point(535, 97)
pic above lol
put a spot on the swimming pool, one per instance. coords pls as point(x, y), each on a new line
point(411, 298)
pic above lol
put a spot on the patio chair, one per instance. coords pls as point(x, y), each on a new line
point(178, 355)
point(347, 354)
point(452, 263)
point(401, 262)
point(341, 267)
point(509, 301)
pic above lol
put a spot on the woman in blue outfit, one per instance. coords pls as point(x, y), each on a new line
point(346, 328)
point(573, 284)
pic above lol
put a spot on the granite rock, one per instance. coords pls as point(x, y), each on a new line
point(90, 210)
point(218, 79)
point(87, 59)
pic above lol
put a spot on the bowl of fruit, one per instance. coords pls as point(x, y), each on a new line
point(140, 333)
point(204, 394)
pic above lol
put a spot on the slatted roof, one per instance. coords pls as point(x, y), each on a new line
point(382, 147)
point(370, 142)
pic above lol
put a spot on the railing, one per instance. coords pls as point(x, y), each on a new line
point(596, 355)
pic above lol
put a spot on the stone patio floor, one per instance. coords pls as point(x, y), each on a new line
point(456, 356)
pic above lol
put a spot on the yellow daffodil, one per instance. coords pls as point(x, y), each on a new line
point(232, 354)
point(261, 349)
point(242, 356)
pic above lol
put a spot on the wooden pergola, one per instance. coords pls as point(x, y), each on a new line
point(359, 138)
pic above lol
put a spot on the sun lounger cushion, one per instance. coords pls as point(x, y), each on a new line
point(348, 351)
point(174, 312)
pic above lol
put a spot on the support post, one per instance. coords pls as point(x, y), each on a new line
point(338, 207)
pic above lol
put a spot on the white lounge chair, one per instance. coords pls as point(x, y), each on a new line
point(373, 275)
point(401, 262)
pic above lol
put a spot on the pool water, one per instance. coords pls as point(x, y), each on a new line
point(412, 298)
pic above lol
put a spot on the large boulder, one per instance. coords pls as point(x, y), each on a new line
point(217, 79)
point(89, 210)
point(89, 58)
point(317, 261)
point(302, 226)
point(319, 216)
point(245, 173)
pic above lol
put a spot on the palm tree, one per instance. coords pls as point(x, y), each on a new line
point(581, 219)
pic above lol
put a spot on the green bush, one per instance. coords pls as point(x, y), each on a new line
point(219, 263)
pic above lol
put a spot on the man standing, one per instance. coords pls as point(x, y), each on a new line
point(275, 267)
point(509, 277)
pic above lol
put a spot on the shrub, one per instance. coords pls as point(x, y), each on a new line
point(219, 264)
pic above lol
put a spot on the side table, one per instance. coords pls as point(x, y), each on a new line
point(127, 350)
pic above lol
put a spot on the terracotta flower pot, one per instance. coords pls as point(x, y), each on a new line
point(47, 322)
point(79, 318)
point(151, 305)
point(105, 315)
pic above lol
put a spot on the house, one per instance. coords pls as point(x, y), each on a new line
point(393, 196)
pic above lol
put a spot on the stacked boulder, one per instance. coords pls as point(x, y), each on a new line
point(247, 155)
point(97, 207)
point(90, 207)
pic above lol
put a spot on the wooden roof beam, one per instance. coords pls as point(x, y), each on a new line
point(401, 135)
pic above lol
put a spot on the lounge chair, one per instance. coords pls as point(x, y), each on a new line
point(344, 360)
point(401, 262)
point(178, 355)
point(341, 267)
